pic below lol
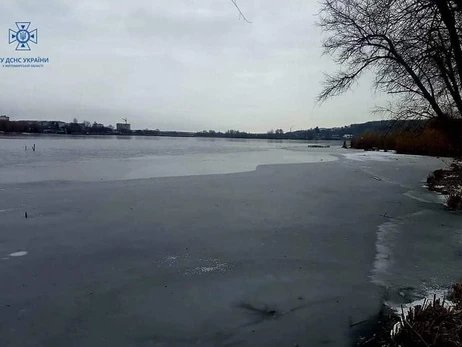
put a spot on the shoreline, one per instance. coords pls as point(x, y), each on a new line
point(388, 327)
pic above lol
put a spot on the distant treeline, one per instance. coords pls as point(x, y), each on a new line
point(158, 132)
point(79, 129)
point(339, 133)
point(51, 127)
point(18, 127)
point(241, 134)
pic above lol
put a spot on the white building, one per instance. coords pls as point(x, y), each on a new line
point(4, 117)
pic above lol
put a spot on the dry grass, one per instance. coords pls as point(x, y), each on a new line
point(433, 324)
point(369, 141)
point(454, 201)
point(436, 323)
point(427, 142)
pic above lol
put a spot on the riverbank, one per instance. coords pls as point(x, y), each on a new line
point(295, 254)
point(437, 319)
point(448, 182)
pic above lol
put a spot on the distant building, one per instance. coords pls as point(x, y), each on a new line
point(98, 125)
point(46, 124)
point(4, 117)
point(123, 127)
point(348, 136)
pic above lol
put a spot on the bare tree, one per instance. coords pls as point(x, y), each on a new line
point(413, 46)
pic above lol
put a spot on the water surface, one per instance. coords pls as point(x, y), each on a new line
point(94, 158)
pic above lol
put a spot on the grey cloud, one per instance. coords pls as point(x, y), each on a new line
point(184, 64)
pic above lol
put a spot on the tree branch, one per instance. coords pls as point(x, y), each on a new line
point(241, 14)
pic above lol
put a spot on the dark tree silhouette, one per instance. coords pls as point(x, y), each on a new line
point(413, 46)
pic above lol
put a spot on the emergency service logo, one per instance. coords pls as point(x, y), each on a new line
point(23, 36)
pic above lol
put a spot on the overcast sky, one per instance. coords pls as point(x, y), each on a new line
point(175, 65)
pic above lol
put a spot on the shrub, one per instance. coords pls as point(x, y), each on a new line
point(439, 174)
point(455, 295)
point(433, 324)
point(454, 201)
point(431, 181)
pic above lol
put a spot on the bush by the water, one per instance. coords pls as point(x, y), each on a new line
point(448, 182)
point(435, 323)
point(427, 142)
point(435, 178)
point(455, 295)
point(454, 201)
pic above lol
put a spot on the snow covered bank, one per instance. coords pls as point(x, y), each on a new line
point(449, 183)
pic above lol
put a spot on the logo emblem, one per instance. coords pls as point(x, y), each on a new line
point(23, 36)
